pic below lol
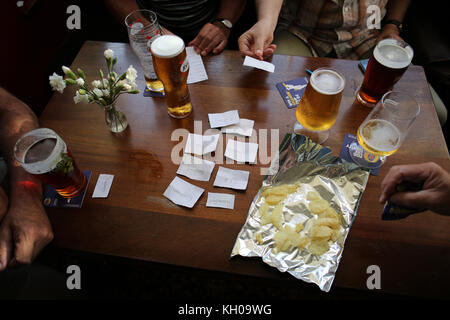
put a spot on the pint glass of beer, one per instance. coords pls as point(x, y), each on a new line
point(172, 67)
point(44, 154)
point(389, 61)
point(143, 29)
point(319, 106)
point(384, 129)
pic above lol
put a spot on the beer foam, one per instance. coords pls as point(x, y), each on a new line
point(327, 81)
point(390, 54)
point(167, 46)
point(380, 135)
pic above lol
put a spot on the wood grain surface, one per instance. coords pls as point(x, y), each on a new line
point(137, 222)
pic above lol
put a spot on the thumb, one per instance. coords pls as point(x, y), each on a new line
point(418, 199)
point(24, 247)
point(258, 47)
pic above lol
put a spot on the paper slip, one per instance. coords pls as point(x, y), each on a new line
point(197, 70)
point(229, 178)
point(241, 151)
point(220, 200)
point(200, 145)
point(243, 128)
point(195, 168)
point(263, 65)
point(103, 185)
point(183, 193)
point(218, 120)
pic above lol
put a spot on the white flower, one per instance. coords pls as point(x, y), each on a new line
point(96, 83)
point(80, 82)
point(66, 69)
point(57, 82)
point(105, 93)
point(98, 92)
point(131, 74)
point(126, 87)
point(83, 98)
point(109, 54)
point(105, 83)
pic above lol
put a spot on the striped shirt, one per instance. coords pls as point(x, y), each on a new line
point(328, 26)
point(182, 17)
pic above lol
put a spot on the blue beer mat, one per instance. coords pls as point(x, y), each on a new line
point(349, 138)
point(149, 93)
point(291, 91)
point(53, 200)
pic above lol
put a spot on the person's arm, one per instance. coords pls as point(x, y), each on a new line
point(24, 229)
point(435, 194)
point(213, 37)
point(257, 41)
point(120, 9)
point(396, 10)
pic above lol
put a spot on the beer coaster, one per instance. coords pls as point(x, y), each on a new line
point(149, 93)
point(53, 200)
point(349, 138)
point(291, 91)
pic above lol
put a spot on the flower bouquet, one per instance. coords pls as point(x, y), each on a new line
point(103, 92)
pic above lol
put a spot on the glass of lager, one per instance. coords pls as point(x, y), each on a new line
point(143, 28)
point(319, 106)
point(388, 63)
point(384, 129)
point(44, 154)
point(172, 67)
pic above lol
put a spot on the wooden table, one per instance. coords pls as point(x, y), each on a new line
point(137, 222)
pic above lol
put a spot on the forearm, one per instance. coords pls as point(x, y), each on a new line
point(16, 119)
point(120, 9)
point(396, 9)
point(231, 9)
point(268, 10)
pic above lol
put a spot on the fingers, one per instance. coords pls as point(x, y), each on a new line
point(210, 39)
point(411, 173)
point(6, 246)
point(23, 247)
point(3, 203)
point(220, 47)
point(244, 44)
point(268, 52)
point(418, 199)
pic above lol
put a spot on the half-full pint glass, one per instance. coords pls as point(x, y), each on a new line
point(44, 154)
point(319, 106)
point(143, 29)
point(172, 67)
point(389, 61)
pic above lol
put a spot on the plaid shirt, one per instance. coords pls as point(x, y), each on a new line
point(327, 25)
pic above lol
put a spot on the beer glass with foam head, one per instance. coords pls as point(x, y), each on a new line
point(43, 153)
point(143, 29)
point(389, 61)
point(384, 129)
point(172, 67)
point(319, 106)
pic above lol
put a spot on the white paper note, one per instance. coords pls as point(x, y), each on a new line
point(197, 70)
point(196, 168)
point(200, 145)
point(241, 151)
point(263, 65)
point(243, 128)
point(229, 178)
point(183, 193)
point(103, 186)
point(220, 200)
point(218, 120)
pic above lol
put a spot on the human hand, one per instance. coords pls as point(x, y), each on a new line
point(435, 194)
point(213, 37)
point(256, 42)
point(389, 31)
point(24, 231)
point(3, 203)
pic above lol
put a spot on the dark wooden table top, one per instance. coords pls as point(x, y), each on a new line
point(137, 222)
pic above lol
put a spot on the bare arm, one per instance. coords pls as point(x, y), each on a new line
point(396, 10)
point(24, 229)
point(257, 41)
point(120, 9)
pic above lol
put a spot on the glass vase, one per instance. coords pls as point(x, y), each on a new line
point(116, 121)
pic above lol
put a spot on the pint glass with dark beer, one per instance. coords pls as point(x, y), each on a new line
point(172, 67)
point(389, 61)
point(44, 154)
point(319, 106)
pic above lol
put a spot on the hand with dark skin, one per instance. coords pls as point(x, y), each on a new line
point(396, 10)
point(24, 226)
point(434, 196)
